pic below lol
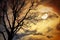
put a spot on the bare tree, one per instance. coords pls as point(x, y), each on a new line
point(17, 7)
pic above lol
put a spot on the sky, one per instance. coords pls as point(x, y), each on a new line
point(55, 4)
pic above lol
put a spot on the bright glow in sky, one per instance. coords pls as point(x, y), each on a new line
point(45, 16)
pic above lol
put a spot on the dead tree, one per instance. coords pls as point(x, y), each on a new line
point(16, 7)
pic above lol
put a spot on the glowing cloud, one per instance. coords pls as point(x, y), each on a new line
point(45, 16)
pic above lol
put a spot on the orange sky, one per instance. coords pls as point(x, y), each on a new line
point(55, 4)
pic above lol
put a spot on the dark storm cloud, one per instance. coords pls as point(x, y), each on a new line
point(53, 3)
point(56, 3)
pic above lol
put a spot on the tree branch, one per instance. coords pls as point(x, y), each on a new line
point(21, 6)
point(3, 35)
point(8, 20)
point(15, 12)
point(23, 19)
point(5, 25)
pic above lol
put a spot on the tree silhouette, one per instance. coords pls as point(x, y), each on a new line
point(16, 6)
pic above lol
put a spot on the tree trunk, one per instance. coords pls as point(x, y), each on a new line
point(10, 37)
